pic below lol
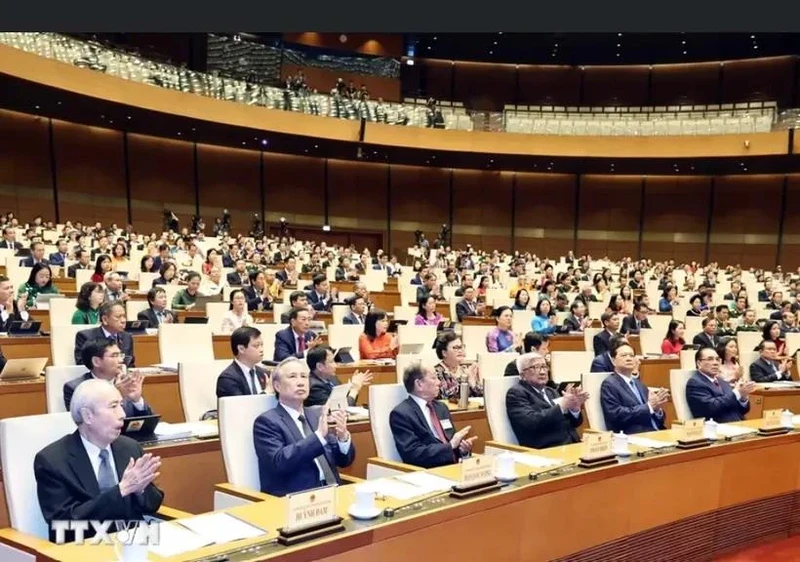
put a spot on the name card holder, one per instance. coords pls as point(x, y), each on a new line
point(477, 477)
point(310, 515)
point(772, 424)
point(691, 434)
point(597, 450)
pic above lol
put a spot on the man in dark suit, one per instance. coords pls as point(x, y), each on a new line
point(162, 258)
point(297, 339)
point(602, 341)
point(257, 292)
point(635, 322)
point(9, 241)
point(421, 425)
point(297, 299)
point(319, 297)
point(767, 368)
point(538, 416)
point(239, 276)
point(711, 397)
point(427, 288)
point(766, 294)
point(358, 311)
point(627, 404)
point(84, 262)
point(467, 305)
point(95, 473)
point(299, 448)
point(112, 327)
point(289, 274)
point(157, 313)
point(322, 378)
point(241, 377)
point(11, 310)
point(533, 341)
point(60, 257)
point(576, 320)
point(103, 360)
point(708, 337)
point(37, 256)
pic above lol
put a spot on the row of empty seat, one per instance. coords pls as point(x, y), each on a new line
point(659, 127)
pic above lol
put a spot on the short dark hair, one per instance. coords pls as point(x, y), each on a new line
point(444, 339)
point(294, 312)
point(318, 279)
point(191, 275)
point(253, 275)
point(152, 293)
point(108, 306)
point(720, 308)
point(243, 336)
point(706, 320)
point(371, 320)
point(317, 355)
point(615, 348)
point(533, 341)
point(606, 316)
point(294, 296)
point(83, 295)
point(700, 351)
point(412, 374)
point(94, 348)
point(639, 306)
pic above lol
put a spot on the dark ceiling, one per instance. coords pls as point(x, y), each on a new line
point(601, 48)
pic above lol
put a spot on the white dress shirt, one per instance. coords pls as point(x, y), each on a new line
point(4, 314)
point(628, 381)
point(94, 457)
point(423, 405)
point(344, 446)
point(249, 379)
point(742, 401)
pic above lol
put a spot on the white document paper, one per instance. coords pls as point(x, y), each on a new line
point(536, 461)
point(358, 411)
point(174, 540)
point(198, 429)
point(392, 488)
point(428, 483)
point(338, 397)
point(221, 528)
point(649, 443)
point(725, 430)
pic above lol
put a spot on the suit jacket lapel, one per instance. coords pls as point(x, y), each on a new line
point(420, 417)
point(289, 422)
point(243, 378)
point(120, 462)
point(82, 466)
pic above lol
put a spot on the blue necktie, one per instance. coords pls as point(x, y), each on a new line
point(641, 401)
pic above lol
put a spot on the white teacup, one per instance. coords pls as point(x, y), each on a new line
point(504, 466)
point(129, 548)
point(364, 500)
point(787, 419)
point(619, 444)
point(710, 430)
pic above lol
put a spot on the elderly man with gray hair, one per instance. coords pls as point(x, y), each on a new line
point(95, 473)
point(299, 448)
point(539, 417)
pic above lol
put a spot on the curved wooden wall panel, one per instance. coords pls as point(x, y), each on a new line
point(229, 178)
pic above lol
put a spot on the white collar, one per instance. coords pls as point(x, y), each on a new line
point(628, 379)
point(291, 411)
point(420, 402)
point(93, 450)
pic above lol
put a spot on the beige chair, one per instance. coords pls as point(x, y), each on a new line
point(494, 394)
point(197, 382)
point(20, 439)
point(237, 415)
point(404, 360)
point(474, 339)
point(410, 334)
point(650, 340)
point(588, 338)
point(61, 311)
point(54, 380)
point(677, 388)
point(591, 382)
point(185, 342)
point(345, 335)
point(570, 365)
point(62, 343)
point(134, 307)
point(382, 400)
point(494, 364)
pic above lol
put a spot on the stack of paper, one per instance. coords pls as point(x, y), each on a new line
point(649, 443)
point(197, 429)
point(536, 461)
point(392, 488)
point(174, 539)
point(725, 430)
point(426, 482)
point(221, 528)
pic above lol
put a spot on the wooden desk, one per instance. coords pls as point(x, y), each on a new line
point(687, 487)
point(575, 342)
point(655, 373)
point(773, 399)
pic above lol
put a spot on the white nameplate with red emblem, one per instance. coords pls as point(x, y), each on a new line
point(477, 469)
point(307, 509)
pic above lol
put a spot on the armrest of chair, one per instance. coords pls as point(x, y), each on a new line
point(244, 493)
point(590, 430)
point(348, 479)
point(399, 466)
point(23, 541)
point(508, 447)
point(168, 513)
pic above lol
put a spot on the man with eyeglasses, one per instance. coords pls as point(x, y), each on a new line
point(709, 396)
point(628, 405)
point(540, 417)
point(105, 361)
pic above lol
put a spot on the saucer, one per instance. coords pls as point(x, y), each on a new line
point(506, 477)
point(622, 453)
point(363, 514)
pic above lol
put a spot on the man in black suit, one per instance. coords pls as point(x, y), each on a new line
point(103, 360)
point(628, 405)
point(708, 337)
point(533, 341)
point(358, 311)
point(296, 339)
point(157, 313)
point(767, 368)
point(603, 362)
point(37, 256)
point(239, 276)
point(322, 378)
point(467, 305)
point(112, 327)
point(766, 294)
point(11, 310)
point(710, 396)
point(95, 473)
point(421, 425)
point(576, 320)
point(319, 297)
point(84, 262)
point(635, 322)
point(540, 417)
point(9, 241)
point(299, 448)
point(602, 341)
point(297, 299)
point(241, 377)
point(427, 288)
point(161, 258)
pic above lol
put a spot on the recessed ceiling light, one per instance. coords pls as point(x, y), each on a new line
point(499, 32)
point(683, 42)
point(618, 45)
point(495, 42)
point(619, 34)
point(429, 48)
point(617, 54)
point(755, 46)
point(179, 133)
point(435, 38)
point(684, 52)
point(491, 52)
point(752, 37)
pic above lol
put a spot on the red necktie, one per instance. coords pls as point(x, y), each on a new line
point(437, 425)
point(301, 344)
